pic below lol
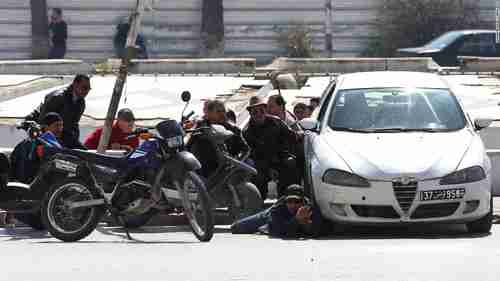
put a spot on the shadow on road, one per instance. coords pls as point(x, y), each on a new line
point(22, 233)
point(402, 232)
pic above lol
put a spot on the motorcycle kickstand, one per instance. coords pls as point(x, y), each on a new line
point(122, 223)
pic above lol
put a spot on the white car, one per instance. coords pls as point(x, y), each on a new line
point(397, 147)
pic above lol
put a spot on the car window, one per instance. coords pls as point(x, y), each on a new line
point(396, 108)
point(444, 40)
point(325, 100)
point(470, 45)
point(487, 45)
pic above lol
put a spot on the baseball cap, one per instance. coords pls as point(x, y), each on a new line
point(295, 191)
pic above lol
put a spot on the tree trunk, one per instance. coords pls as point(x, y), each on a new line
point(212, 28)
point(39, 29)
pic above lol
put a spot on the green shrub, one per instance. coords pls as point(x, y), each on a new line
point(297, 41)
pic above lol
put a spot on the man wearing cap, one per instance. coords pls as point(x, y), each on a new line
point(269, 140)
point(291, 216)
point(120, 134)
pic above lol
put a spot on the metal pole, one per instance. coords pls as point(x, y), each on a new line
point(497, 22)
point(329, 28)
point(135, 23)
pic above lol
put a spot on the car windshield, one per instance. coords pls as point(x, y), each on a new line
point(443, 40)
point(396, 110)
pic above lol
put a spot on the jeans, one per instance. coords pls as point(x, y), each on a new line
point(251, 224)
point(57, 52)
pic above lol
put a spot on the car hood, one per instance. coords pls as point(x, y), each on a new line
point(385, 156)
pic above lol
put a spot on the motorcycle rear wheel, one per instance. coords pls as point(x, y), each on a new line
point(197, 207)
point(66, 224)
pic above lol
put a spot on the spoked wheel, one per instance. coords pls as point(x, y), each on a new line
point(250, 200)
point(197, 208)
point(61, 220)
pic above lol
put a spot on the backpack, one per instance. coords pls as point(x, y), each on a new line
point(24, 162)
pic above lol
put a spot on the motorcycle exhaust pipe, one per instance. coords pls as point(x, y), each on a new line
point(88, 203)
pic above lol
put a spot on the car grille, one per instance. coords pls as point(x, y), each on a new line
point(405, 194)
point(386, 212)
point(435, 210)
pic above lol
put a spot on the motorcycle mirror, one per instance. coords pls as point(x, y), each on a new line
point(186, 96)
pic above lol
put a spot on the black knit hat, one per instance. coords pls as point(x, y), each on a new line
point(50, 118)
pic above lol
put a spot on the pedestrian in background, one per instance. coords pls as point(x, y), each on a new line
point(58, 34)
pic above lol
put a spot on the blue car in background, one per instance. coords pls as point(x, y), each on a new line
point(446, 48)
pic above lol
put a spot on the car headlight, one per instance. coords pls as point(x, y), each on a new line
point(175, 142)
point(468, 175)
point(343, 178)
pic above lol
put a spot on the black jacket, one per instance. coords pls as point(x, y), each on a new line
point(59, 33)
point(282, 223)
point(205, 152)
point(269, 141)
point(62, 102)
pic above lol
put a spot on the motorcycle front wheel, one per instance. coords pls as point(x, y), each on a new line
point(197, 207)
point(250, 202)
point(68, 224)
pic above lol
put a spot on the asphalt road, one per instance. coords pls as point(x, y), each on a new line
point(172, 253)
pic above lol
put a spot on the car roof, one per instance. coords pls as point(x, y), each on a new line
point(390, 79)
point(475, 31)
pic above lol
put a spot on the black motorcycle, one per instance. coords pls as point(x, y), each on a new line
point(229, 183)
point(159, 174)
point(23, 200)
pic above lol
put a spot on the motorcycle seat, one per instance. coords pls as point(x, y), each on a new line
point(100, 159)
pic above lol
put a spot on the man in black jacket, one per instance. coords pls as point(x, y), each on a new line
point(70, 105)
point(292, 216)
point(236, 145)
point(270, 140)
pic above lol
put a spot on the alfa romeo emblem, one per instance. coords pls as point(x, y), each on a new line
point(405, 180)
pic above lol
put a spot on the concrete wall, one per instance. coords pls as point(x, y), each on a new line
point(346, 65)
point(252, 27)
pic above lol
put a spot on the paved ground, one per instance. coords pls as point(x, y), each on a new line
point(430, 253)
point(172, 253)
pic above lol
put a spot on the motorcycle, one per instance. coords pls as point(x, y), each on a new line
point(229, 184)
point(23, 200)
point(159, 174)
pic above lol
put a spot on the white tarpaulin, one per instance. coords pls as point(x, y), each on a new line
point(148, 96)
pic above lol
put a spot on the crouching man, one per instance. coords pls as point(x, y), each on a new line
point(292, 216)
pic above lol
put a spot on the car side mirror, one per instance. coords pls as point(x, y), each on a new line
point(309, 124)
point(480, 124)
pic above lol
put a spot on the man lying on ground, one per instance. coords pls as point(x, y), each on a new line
point(292, 216)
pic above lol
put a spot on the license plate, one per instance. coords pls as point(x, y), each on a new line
point(443, 194)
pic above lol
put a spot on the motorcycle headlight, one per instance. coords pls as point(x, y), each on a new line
point(175, 142)
point(343, 178)
point(468, 175)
